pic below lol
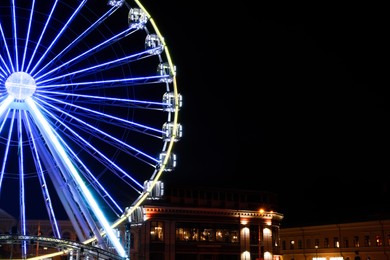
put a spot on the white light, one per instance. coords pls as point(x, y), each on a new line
point(20, 85)
point(46, 129)
point(5, 104)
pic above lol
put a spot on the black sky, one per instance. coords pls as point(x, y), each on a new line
point(282, 98)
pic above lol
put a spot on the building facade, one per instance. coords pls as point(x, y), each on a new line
point(370, 240)
point(208, 224)
point(199, 223)
point(205, 223)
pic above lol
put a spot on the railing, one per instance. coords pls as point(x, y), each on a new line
point(61, 246)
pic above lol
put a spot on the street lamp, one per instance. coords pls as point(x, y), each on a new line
point(316, 247)
point(292, 247)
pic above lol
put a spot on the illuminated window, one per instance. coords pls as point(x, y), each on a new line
point(222, 235)
point(156, 231)
point(234, 236)
point(336, 243)
point(378, 240)
point(207, 235)
point(219, 235)
point(356, 241)
point(180, 234)
point(292, 242)
point(186, 234)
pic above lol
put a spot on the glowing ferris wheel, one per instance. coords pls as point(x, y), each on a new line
point(88, 112)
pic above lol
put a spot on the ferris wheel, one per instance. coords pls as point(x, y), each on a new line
point(88, 114)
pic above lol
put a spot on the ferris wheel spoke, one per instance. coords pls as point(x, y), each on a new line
point(6, 151)
point(95, 151)
point(88, 113)
point(54, 41)
point(49, 17)
point(94, 182)
point(32, 132)
point(57, 149)
point(15, 36)
point(66, 190)
point(28, 34)
point(11, 64)
point(3, 72)
point(112, 83)
point(63, 190)
point(112, 120)
point(100, 67)
point(22, 198)
point(81, 56)
point(109, 101)
point(80, 37)
point(5, 104)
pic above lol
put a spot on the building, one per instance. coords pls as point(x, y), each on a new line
point(206, 223)
point(11, 248)
point(369, 239)
point(201, 223)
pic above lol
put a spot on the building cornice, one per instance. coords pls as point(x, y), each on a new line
point(215, 212)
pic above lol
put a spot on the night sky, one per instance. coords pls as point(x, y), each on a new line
point(282, 98)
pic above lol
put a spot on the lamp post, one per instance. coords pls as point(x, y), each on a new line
point(292, 247)
point(316, 247)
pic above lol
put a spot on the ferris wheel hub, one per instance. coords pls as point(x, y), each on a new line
point(20, 85)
